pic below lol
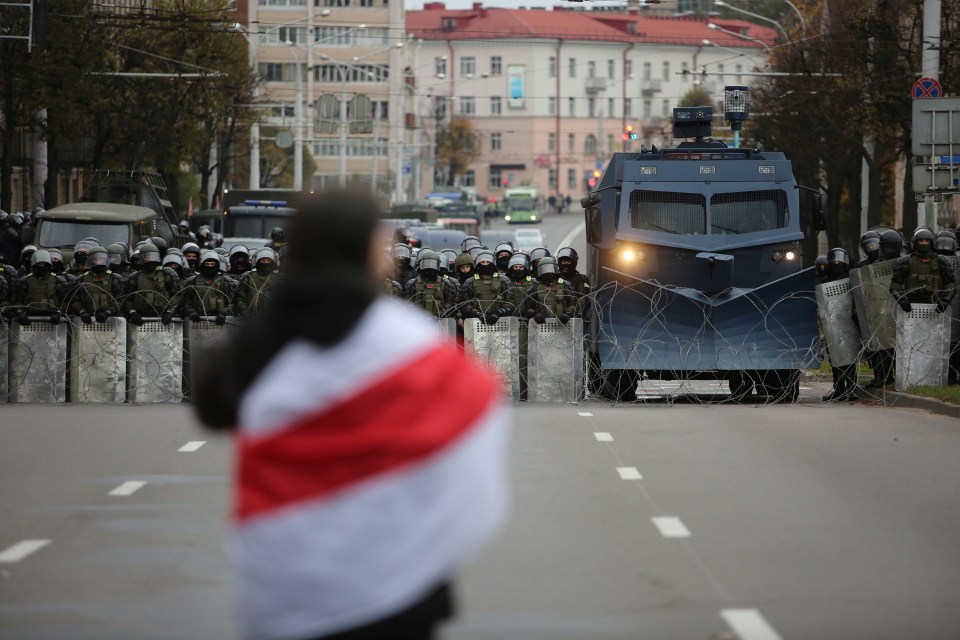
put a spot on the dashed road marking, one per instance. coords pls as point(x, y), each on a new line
point(671, 527)
point(127, 488)
point(748, 624)
point(192, 446)
point(584, 414)
point(21, 550)
point(602, 436)
point(629, 473)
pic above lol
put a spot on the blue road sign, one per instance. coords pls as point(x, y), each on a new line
point(927, 88)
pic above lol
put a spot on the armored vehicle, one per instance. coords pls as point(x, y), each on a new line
point(694, 255)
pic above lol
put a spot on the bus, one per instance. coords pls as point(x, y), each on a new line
point(520, 205)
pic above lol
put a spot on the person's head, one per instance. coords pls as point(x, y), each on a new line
point(402, 253)
point(99, 260)
point(26, 254)
point(266, 261)
point(922, 242)
point(191, 253)
point(567, 259)
point(344, 224)
point(838, 262)
point(891, 244)
point(80, 251)
point(116, 255)
point(821, 266)
point(468, 242)
point(428, 264)
point(204, 233)
point(537, 254)
point(518, 268)
point(209, 264)
point(485, 263)
point(56, 261)
point(945, 243)
point(870, 244)
point(448, 258)
point(503, 252)
point(277, 235)
point(149, 256)
point(239, 258)
point(463, 267)
point(547, 270)
point(160, 244)
point(184, 227)
point(40, 263)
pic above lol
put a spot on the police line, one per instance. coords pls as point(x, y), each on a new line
point(115, 361)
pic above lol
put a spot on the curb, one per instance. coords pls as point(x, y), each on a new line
point(899, 400)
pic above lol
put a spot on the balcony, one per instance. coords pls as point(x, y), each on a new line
point(649, 87)
point(596, 84)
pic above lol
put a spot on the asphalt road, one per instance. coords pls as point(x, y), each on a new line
point(652, 520)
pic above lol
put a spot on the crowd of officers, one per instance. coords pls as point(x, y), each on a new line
point(922, 275)
point(490, 284)
point(149, 282)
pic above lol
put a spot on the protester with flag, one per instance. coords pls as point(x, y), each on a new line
point(371, 453)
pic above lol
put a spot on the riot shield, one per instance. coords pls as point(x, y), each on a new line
point(499, 344)
point(555, 361)
point(4, 361)
point(38, 361)
point(835, 313)
point(923, 347)
point(98, 361)
point(197, 337)
point(447, 327)
point(955, 303)
point(875, 305)
point(155, 362)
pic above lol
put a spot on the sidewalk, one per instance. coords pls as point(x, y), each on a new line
point(900, 400)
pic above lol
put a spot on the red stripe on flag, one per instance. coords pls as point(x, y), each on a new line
point(404, 417)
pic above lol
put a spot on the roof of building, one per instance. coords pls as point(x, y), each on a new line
point(436, 22)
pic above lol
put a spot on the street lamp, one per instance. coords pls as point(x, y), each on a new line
point(721, 3)
point(803, 21)
point(298, 117)
point(716, 27)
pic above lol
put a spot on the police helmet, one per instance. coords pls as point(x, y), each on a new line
point(402, 251)
point(40, 256)
point(98, 255)
point(547, 266)
point(837, 254)
point(160, 244)
point(28, 250)
point(922, 241)
point(945, 245)
point(448, 258)
point(539, 253)
point(173, 259)
point(504, 247)
point(568, 252)
point(476, 250)
point(519, 260)
point(190, 247)
point(276, 234)
point(115, 253)
point(239, 248)
point(483, 255)
point(891, 243)
point(428, 260)
point(221, 252)
point(468, 242)
point(209, 256)
point(82, 247)
point(267, 254)
point(149, 254)
point(870, 243)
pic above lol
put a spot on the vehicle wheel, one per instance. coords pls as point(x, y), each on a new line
point(620, 385)
point(782, 385)
point(741, 384)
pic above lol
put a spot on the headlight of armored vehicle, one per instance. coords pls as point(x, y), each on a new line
point(780, 255)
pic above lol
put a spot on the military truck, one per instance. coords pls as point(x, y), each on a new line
point(64, 226)
point(694, 255)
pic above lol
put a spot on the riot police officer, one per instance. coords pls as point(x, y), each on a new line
point(551, 296)
point(870, 245)
point(78, 266)
point(253, 289)
point(945, 244)
point(428, 290)
point(844, 376)
point(486, 295)
point(518, 271)
point(150, 290)
point(117, 259)
point(891, 244)
point(97, 293)
point(191, 253)
point(207, 293)
point(277, 239)
point(503, 253)
point(923, 276)
point(239, 260)
point(402, 269)
point(536, 255)
point(40, 292)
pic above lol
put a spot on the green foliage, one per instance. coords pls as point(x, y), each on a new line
point(949, 394)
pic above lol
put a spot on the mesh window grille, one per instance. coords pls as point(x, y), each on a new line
point(748, 211)
point(668, 212)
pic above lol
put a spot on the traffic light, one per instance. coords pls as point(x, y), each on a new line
point(629, 133)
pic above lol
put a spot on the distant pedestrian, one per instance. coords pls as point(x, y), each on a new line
point(567, 202)
point(370, 452)
point(552, 201)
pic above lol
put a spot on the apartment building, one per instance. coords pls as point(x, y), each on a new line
point(550, 92)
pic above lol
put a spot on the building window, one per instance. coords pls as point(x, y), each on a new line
point(495, 180)
point(591, 69)
point(552, 67)
point(720, 72)
point(440, 66)
point(684, 69)
point(272, 71)
point(552, 105)
point(283, 35)
point(552, 179)
point(571, 107)
point(611, 106)
point(628, 69)
point(551, 142)
point(496, 106)
point(572, 67)
point(647, 108)
point(469, 179)
point(590, 144)
point(571, 142)
point(609, 148)
point(354, 73)
point(439, 107)
point(468, 105)
point(666, 70)
point(739, 69)
point(496, 65)
point(283, 3)
point(495, 144)
point(350, 36)
point(468, 66)
point(592, 107)
point(646, 71)
point(572, 178)
point(665, 109)
point(611, 66)
point(627, 107)
point(365, 3)
point(449, 24)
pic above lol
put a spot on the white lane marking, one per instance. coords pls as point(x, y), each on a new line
point(671, 527)
point(21, 550)
point(748, 624)
point(585, 414)
point(577, 230)
point(192, 446)
point(629, 473)
point(603, 436)
point(127, 488)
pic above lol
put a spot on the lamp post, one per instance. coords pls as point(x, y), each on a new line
point(803, 22)
point(717, 27)
point(721, 3)
point(298, 122)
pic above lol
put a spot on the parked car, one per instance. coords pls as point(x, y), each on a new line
point(529, 239)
